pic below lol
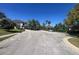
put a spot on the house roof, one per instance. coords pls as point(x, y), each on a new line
point(18, 21)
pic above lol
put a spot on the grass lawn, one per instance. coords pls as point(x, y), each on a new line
point(4, 32)
point(15, 30)
point(74, 41)
point(1, 39)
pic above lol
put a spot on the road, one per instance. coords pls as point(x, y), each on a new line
point(36, 43)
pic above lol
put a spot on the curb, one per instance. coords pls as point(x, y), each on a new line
point(4, 43)
point(7, 35)
point(70, 45)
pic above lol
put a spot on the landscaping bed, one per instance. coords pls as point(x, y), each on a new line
point(74, 41)
point(15, 30)
point(4, 32)
point(10, 31)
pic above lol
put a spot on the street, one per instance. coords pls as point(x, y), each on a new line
point(36, 43)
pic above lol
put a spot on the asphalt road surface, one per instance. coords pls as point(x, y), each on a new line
point(36, 43)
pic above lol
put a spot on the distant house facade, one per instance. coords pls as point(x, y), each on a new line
point(19, 24)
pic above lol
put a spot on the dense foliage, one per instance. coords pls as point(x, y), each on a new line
point(6, 22)
point(72, 21)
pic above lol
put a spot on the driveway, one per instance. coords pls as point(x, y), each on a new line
point(36, 43)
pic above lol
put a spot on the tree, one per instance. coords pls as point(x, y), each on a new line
point(56, 27)
point(73, 16)
point(7, 23)
point(48, 25)
point(33, 24)
point(72, 21)
point(43, 26)
point(60, 27)
point(2, 15)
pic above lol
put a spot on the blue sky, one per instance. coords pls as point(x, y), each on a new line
point(55, 12)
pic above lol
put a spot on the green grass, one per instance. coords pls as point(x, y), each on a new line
point(4, 32)
point(1, 39)
point(15, 30)
point(74, 41)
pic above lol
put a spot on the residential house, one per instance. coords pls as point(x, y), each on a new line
point(19, 24)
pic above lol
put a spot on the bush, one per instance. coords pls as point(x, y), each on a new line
point(15, 30)
point(74, 33)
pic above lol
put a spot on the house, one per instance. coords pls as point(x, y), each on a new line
point(19, 24)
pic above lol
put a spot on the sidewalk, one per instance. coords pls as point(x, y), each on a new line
point(7, 35)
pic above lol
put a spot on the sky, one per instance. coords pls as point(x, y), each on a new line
point(55, 12)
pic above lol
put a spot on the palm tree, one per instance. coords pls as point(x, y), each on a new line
point(43, 26)
point(48, 24)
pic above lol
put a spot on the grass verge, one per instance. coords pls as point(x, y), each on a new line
point(74, 41)
point(1, 39)
point(4, 32)
point(16, 30)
